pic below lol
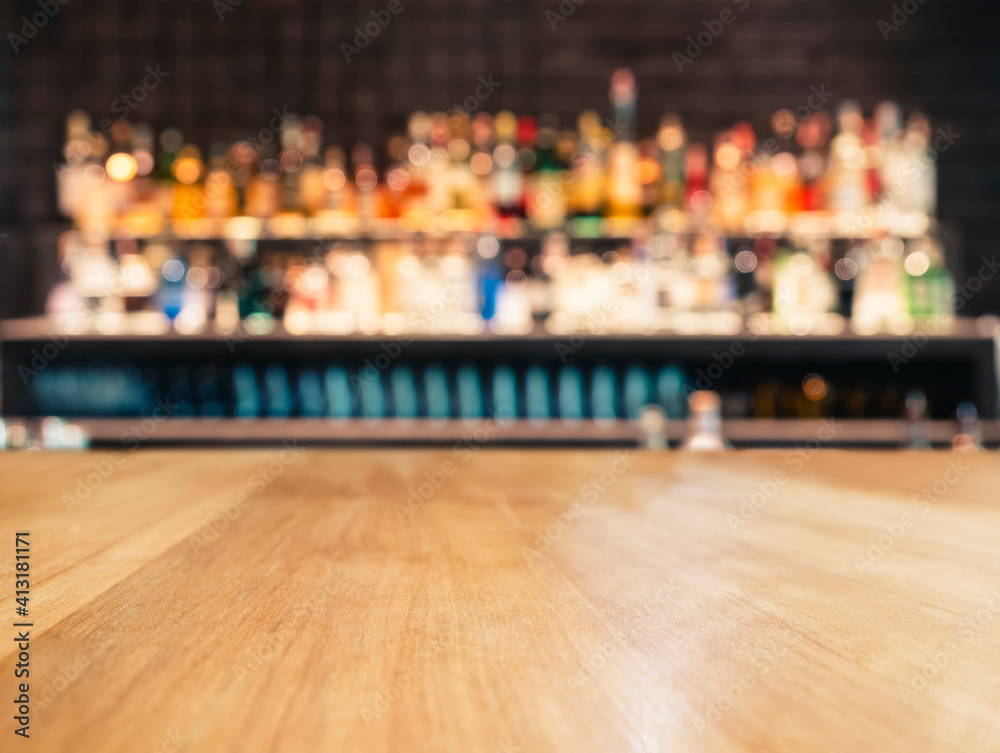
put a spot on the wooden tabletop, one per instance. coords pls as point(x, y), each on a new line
point(466, 600)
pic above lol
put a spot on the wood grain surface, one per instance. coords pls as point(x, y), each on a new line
point(466, 601)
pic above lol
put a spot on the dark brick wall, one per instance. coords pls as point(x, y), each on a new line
point(225, 75)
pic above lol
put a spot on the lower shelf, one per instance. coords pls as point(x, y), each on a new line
point(132, 432)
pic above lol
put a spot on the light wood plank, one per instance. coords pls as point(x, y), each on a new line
point(650, 608)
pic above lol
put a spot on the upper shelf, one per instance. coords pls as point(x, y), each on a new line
point(152, 327)
point(295, 228)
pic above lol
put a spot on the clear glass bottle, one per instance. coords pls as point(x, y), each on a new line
point(705, 423)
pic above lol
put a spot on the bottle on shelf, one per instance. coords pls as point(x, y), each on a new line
point(918, 426)
point(676, 234)
point(221, 199)
point(804, 294)
point(507, 177)
point(588, 185)
point(624, 193)
point(454, 173)
point(930, 287)
point(291, 162)
point(264, 190)
point(705, 423)
point(970, 434)
point(546, 207)
point(880, 291)
point(848, 190)
point(672, 141)
point(312, 189)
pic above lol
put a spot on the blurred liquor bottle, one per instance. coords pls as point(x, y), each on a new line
point(507, 182)
point(848, 189)
point(672, 142)
point(189, 188)
point(588, 176)
point(624, 191)
point(312, 188)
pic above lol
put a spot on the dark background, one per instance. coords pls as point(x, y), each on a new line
point(225, 76)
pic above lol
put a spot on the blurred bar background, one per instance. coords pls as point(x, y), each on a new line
point(223, 69)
